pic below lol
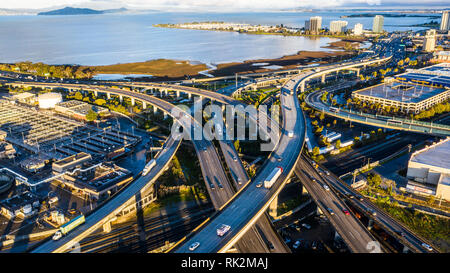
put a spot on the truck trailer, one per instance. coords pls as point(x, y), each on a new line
point(148, 167)
point(67, 227)
point(273, 176)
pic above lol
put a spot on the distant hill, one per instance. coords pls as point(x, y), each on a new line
point(79, 11)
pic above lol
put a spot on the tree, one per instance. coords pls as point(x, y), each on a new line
point(91, 115)
point(316, 151)
point(338, 144)
point(322, 116)
point(78, 96)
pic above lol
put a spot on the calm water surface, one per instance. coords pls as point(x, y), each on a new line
point(115, 38)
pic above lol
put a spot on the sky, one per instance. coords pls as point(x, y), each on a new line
point(220, 5)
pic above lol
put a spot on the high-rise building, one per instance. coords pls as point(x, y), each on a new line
point(338, 26)
point(315, 24)
point(429, 41)
point(358, 29)
point(306, 24)
point(378, 21)
point(445, 23)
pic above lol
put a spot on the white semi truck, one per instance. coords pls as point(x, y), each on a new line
point(148, 167)
point(273, 176)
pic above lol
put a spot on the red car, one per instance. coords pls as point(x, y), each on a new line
point(346, 212)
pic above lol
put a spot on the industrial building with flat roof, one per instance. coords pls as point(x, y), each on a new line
point(23, 205)
point(431, 167)
point(70, 162)
point(436, 75)
point(96, 181)
point(78, 109)
point(409, 98)
point(45, 133)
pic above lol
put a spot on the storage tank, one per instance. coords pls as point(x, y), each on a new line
point(49, 100)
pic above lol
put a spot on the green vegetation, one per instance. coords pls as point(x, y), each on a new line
point(437, 109)
point(431, 227)
point(291, 204)
point(91, 115)
point(45, 70)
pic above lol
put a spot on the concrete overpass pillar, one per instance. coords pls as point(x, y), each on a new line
point(319, 211)
point(155, 109)
point(165, 115)
point(132, 101)
point(144, 105)
point(107, 227)
point(189, 95)
point(336, 235)
point(357, 72)
point(405, 249)
point(96, 93)
point(108, 96)
point(323, 78)
point(304, 190)
point(273, 208)
point(178, 94)
point(302, 87)
point(120, 98)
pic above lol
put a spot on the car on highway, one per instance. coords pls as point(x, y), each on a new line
point(346, 212)
point(314, 245)
point(239, 180)
point(305, 225)
point(194, 246)
point(259, 184)
point(327, 172)
point(330, 211)
point(326, 187)
point(223, 229)
point(296, 245)
point(234, 158)
point(427, 246)
point(290, 134)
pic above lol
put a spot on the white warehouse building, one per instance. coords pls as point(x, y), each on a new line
point(49, 100)
point(430, 167)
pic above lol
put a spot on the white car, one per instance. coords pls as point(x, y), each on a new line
point(427, 246)
point(223, 229)
point(296, 245)
point(306, 226)
point(194, 246)
point(326, 187)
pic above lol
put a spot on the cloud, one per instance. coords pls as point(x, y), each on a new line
point(218, 5)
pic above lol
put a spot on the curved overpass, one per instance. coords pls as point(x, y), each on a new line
point(127, 196)
point(250, 202)
point(313, 100)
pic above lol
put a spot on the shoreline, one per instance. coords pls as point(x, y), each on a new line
point(171, 70)
point(287, 34)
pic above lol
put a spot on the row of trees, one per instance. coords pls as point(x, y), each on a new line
point(435, 110)
point(45, 70)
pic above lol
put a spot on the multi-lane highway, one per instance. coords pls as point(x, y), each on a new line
point(251, 202)
point(356, 236)
point(396, 229)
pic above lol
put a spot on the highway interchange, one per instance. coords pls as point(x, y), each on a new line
point(240, 210)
